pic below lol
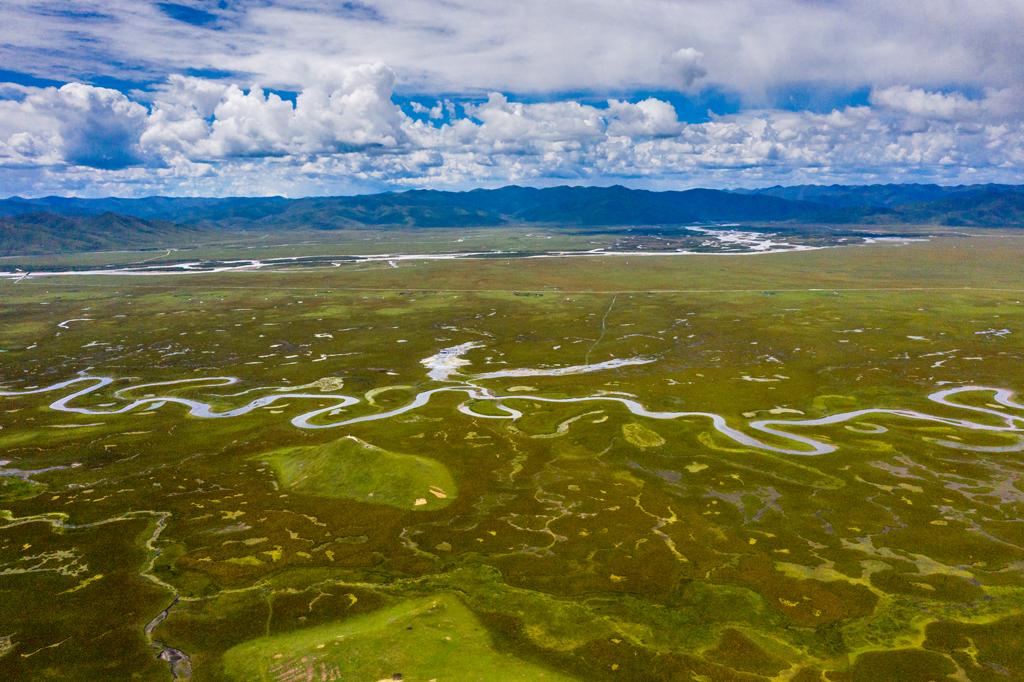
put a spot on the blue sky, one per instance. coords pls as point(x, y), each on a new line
point(255, 97)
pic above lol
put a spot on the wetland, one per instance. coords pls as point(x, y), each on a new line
point(754, 457)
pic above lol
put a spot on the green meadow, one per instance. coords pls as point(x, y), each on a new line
point(147, 535)
point(350, 468)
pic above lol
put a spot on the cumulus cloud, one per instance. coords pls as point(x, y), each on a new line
point(434, 112)
point(685, 65)
point(945, 102)
point(649, 118)
point(76, 125)
point(342, 110)
point(100, 128)
point(343, 131)
point(928, 105)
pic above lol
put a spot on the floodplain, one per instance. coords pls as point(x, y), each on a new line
point(702, 461)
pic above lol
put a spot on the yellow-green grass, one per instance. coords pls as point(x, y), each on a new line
point(572, 545)
point(641, 436)
point(430, 638)
point(12, 488)
point(350, 468)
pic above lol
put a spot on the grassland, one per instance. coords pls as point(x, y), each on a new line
point(579, 541)
point(350, 468)
point(427, 638)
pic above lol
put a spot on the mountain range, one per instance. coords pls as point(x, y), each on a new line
point(73, 224)
point(40, 232)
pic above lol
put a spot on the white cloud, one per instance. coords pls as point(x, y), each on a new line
point(434, 112)
point(916, 57)
point(530, 46)
point(685, 65)
point(344, 132)
point(649, 118)
point(343, 110)
point(928, 105)
point(75, 125)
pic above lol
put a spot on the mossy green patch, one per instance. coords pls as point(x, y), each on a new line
point(740, 653)
point(641, 436)
point(434, 637)
point(18, 488)
point(902, 665)
point(485, 407)
point(351, 468)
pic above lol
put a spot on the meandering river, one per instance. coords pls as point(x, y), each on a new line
point(778, 428)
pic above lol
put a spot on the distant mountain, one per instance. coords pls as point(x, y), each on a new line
point(409, 209)
point(587, 206)
point(603, 206)
point(39, 233)
point(846, 196)
point(174, 209)
point(987, 209)
point(60, 224)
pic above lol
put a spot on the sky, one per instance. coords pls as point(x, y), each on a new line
point(314, 97)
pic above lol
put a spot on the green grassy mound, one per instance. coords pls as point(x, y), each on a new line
point(432, 638)
point(350, 468)
point(641, 436)
point(19, 489)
